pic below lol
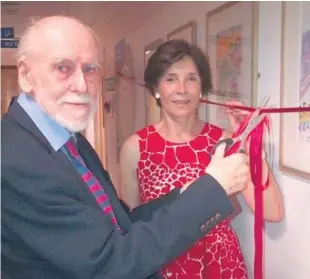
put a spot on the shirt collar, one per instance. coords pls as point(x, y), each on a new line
point(56, 135)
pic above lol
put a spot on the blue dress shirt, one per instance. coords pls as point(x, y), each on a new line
point(56, 135)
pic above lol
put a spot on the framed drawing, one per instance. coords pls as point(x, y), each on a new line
point(232, 49)
point(295, 89)
point(186, 32)
point(152, 110)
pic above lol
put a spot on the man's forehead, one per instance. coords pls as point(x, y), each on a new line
point(60, 22)
point(59, 38)
point(55, 33)
point(64, 49)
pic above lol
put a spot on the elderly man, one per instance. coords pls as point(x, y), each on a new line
point(61, 217)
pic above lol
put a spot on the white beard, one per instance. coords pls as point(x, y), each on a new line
point(74, 126)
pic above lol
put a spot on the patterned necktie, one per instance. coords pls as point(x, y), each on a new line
point(92, 182)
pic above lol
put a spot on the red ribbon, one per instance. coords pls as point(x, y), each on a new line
point(263, 110)
point(256, 167)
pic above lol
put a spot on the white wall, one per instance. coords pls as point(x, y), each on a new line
point(287, 245)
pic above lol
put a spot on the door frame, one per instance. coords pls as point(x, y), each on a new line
point(7, 67)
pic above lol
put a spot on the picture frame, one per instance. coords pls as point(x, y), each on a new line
point(152, 110)
point(187, 32)
point(231, 47)
point(294, 152)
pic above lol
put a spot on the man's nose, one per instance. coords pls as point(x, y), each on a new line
point(79, 82)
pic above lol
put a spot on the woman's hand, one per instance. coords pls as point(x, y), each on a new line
point(235, 116)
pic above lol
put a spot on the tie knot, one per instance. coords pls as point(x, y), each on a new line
point(71, 145)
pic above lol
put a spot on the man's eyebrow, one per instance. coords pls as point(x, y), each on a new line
point(57, 60)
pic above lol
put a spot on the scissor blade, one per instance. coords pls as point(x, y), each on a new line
point(253, 123)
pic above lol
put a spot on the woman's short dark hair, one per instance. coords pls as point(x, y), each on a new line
point(170, 52)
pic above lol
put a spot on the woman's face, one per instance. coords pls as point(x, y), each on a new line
point(180, 88)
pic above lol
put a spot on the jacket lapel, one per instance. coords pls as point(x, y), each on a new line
point(22, 118)
point(90, 158)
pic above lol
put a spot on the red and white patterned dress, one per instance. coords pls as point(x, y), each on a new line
point(164, 165)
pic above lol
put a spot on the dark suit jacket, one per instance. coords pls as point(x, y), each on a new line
point(52, 226)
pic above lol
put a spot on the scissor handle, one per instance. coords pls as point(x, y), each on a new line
point(229, 142)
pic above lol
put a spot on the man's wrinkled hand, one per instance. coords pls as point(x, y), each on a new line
point(232, 172)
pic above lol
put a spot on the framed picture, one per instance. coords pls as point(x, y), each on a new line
point(152, 110)
point(232, 50)
point(295, 89)
point(186, 32)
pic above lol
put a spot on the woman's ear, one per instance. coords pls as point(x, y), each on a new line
point(24, 79)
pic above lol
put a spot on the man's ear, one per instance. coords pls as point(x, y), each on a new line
point(24, 79)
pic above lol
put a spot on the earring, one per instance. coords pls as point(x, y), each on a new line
point(200, 95)
point(157, 96)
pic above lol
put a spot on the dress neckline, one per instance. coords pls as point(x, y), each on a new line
point(202, 131)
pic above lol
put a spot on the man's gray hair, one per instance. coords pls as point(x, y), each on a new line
point(27, 43)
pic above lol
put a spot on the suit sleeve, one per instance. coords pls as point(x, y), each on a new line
point(145, 212)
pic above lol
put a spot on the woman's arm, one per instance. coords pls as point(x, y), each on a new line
point(129, 157)
point(272, 197)
point(129, 189)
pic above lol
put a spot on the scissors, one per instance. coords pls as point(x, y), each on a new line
point(255, 119)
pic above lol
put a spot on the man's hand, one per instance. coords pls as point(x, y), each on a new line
point(232, 172)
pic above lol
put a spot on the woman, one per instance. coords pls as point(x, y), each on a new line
point(176, 150)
